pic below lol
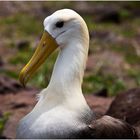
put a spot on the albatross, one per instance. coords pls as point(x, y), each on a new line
point(61, 110)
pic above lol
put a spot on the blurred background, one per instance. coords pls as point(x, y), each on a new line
point(113, 64)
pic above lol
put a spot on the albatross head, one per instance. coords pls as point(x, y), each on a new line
point(64, 29)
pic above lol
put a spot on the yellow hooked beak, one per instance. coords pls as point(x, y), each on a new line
point(46, 46)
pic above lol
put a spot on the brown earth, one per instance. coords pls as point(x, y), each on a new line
point(18, 103)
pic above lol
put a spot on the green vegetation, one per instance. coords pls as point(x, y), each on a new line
point(3, 121)
point(22, 57)
point(9, 73)
point(135, 74)
point(28, 26)
point(97, 82)
point(24, 24)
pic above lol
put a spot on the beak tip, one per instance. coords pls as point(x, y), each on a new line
point(23, 84)
point(22, 79)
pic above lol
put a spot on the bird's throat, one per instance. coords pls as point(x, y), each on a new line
point(69, 68)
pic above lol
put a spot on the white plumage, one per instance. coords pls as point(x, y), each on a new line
point(62, 110)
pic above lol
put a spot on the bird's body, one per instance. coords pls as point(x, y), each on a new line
point(62, 111)
point(57, 123)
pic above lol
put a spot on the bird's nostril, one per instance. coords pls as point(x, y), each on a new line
point(44, 43)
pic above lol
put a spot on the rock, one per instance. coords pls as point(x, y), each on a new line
point(104, 13)
point(102, 93)
point(19, 105)
point(108, 127)
point(23, 44)
point(126, 106)
point(8, 85)
point(1, 62)
point(133, 8)
point(110, 16)
point(3, 137)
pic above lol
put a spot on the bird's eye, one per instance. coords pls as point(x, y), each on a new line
point(59, 24)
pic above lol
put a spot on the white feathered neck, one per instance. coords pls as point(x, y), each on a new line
point(67, 76)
